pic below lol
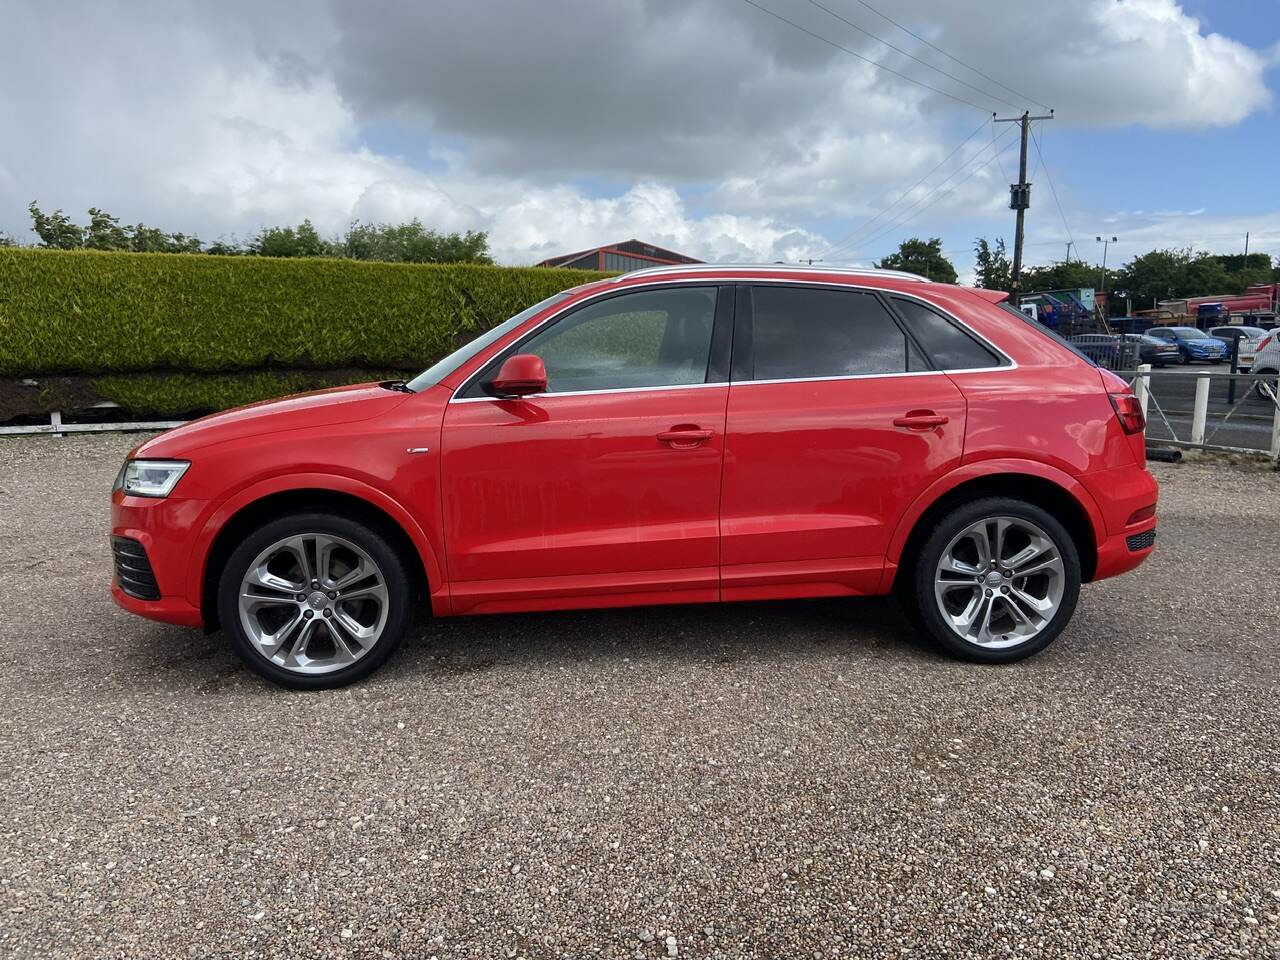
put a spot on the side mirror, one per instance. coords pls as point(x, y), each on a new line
point(520, 376)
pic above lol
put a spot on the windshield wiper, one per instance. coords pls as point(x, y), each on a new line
point(401, 386)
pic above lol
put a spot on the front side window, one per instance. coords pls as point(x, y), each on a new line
point(804, 332)
point(650, 338)
point(433, 375)
point(950, 347)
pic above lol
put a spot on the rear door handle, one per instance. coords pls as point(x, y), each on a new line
point(921, 420)
point(685, 437)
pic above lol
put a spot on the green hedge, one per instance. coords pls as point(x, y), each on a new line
point(167, 396)
point(89, 312)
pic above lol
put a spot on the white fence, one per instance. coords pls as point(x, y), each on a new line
point(1244, 392)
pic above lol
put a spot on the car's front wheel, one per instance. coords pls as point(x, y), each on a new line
point(996, 580)
point(315, 600)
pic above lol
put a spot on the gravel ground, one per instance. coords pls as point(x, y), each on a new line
point(758, 780)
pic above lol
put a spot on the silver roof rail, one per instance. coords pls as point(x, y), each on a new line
point(770, 268)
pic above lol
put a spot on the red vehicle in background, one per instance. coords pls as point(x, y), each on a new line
point(675, 435)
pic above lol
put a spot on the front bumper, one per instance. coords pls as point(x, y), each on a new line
point(166, 529)
point(1203, 354)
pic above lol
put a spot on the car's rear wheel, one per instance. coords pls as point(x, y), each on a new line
point(996, 580)
point(315, 600)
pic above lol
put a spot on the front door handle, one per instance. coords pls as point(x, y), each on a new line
point(685, 436)
point(921, 420)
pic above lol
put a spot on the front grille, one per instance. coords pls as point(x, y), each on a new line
point(1141, 541)
point(133, 569)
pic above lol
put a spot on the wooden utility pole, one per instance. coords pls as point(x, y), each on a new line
point(1020, 197)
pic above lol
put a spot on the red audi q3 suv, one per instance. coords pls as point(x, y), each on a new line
point(675, 435)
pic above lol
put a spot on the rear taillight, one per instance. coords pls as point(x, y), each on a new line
point(1128, 411)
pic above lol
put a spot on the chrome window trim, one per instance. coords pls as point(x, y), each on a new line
point(589, 393)
point(769, 268)
point(1010, 363)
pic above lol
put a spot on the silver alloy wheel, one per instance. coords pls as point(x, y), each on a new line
point(999, 582)
point(313, 603)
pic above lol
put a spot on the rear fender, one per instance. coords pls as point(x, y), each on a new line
point(975, 471)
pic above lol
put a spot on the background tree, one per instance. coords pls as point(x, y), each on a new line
point(104, 232)
point(413, 243)
point(8, 241)
point(991, 265)
point(1153, 276)
point(923, 257)
point(1066, 275)
point(55, 230)
point(304, 240)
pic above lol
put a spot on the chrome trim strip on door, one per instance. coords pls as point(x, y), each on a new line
point(703, 280)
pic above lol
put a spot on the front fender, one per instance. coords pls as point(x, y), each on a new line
point(336, 483)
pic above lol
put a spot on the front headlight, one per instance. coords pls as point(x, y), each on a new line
point(150, 478)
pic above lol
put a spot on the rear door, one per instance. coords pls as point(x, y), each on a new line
point(836, 421)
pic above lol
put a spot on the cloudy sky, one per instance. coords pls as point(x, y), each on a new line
point(711, 126)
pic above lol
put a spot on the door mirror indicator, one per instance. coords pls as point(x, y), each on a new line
point(521, 375)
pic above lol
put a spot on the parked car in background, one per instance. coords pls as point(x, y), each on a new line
point(1244, 340)
point(1104, 349)
point(673, 435)
point(1267, 358)
point(1193, 344)
point(1153, 350)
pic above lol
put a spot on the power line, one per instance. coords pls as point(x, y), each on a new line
point(902, 196)
point(993, 143)
point(910, 56)
point(912, 33)
point(852, 53)
point(860, 236)
point(1052, 188)
point(921, 204)
point(912, 213)
point(915, 216)
point(1039, 158)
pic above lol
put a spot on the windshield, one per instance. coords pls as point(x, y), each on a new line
point(1190, 333)
point(434, 374)
point(1008, 308)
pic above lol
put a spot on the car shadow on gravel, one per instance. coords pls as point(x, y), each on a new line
point(871, 628)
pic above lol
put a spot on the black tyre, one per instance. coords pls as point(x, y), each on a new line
point(995, 580)
point(315, 600)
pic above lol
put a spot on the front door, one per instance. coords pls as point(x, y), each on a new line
point(604, 490)
point(836, 422)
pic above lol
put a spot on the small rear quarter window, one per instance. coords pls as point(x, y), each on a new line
point(947, 344)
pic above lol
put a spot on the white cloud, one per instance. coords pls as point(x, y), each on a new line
point(719, 131)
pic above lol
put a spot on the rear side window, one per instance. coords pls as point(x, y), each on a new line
point(1051, 334)
point(804, 332)
point(950, 347)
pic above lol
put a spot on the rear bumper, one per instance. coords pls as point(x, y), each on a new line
point(1120, 494)
point(1117, 555)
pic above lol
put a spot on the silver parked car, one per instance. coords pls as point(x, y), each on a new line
point(1249, 337)
point(1266, 359)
